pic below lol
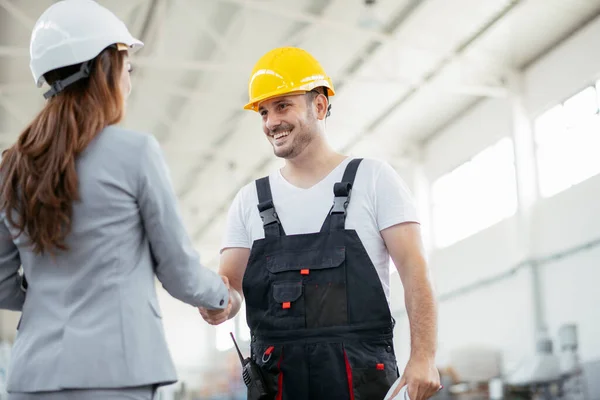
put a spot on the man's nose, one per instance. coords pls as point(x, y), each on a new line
point(272, 122)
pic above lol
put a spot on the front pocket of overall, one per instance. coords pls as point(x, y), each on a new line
point(320, 272)
point(372, 384)
point(373, 368)
point(267, 359)
point(326, 304)
point(287, 305)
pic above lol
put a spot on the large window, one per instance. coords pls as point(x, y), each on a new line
point(223, 339)
point(567, 141)
point(475, 195)
point(238, 326)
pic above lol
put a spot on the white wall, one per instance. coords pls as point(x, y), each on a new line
point(570, 285)
point(502, 314)
point(487, 123)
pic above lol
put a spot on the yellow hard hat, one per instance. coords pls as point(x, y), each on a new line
point(283, 71)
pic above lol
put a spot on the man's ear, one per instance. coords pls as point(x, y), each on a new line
point(321, 103)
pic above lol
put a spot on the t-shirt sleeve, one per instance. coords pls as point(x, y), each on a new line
point(236, 232)
point(394, 203)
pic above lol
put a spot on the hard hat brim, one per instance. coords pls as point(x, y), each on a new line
point(253, 105)
point(130, 44)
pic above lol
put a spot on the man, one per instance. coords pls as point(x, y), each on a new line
point(308, 248)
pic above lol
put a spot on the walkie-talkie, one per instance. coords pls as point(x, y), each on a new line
point(257, 389)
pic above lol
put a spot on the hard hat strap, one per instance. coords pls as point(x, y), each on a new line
point(326, 94)
point(60, 85)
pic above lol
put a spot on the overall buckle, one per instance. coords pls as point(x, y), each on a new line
point(267, 213)
point(342, 192)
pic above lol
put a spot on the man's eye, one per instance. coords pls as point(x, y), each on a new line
point(282, 106)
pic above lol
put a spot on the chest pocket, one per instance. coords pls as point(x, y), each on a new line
point(308, 287)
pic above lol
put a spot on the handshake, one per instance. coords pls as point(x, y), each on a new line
point(217, 317)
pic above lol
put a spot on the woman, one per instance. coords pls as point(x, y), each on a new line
point(89, 212)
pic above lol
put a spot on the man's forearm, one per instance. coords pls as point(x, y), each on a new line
point(422, 314)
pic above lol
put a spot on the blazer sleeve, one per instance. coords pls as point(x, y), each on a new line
point(12, 296)
point(177, 264)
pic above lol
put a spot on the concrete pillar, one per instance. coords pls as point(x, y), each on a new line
point(527, 188)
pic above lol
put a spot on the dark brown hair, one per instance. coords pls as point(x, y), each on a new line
point(38, 177)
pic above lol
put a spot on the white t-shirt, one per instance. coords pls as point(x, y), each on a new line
point(379, 199)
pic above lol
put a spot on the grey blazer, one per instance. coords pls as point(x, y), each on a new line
point(90, 317)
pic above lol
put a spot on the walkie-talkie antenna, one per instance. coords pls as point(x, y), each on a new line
point(237, 348)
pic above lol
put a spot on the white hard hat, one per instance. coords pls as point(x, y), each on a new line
point(74, 31)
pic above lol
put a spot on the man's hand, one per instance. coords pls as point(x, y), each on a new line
point(406, 249)
point(422, 378)
point(216, 317)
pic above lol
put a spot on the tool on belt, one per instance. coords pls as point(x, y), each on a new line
point(253, 378)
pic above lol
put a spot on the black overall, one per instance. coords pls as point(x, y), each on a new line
point(320, 324)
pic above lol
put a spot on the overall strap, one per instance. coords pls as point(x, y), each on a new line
point(266, 208)
point(336, 220)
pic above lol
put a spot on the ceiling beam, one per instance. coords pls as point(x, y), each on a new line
point(299, 16)
point(13, 51)
point(490, 91)
point(216, 37)
point(200, 20)
point(445, 62)
point(17, 14)
point(186, 65)
point(195, 97)
point(302, 34)
point(150, 20)
point(9, 88)
point(195, 93)
point(12, 110)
